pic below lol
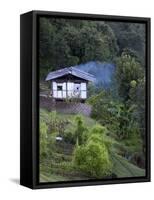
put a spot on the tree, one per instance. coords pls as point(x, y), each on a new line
point(66, 42)
point(93, 159)
point(127, 69)
point(131, 36)
point(80, 130)
point(100, 104)
point(137, 97)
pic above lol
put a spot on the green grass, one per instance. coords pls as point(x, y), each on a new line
point(55, 178)
point(44, 114)
point(59, 172)
point(52, 178)
point(123, 168)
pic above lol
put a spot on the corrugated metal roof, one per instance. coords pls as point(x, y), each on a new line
point(70, 70)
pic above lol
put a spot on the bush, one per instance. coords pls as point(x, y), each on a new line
point(93, 159)
point(98, 129)
point(99, 134)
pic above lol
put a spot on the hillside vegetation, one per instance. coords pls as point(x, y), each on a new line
point(111, 142)
point(78, 156)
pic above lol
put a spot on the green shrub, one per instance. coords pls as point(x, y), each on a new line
point(99, 134)
point(93, 159)
point(98, 129)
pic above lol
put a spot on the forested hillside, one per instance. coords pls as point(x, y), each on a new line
point(68, 42)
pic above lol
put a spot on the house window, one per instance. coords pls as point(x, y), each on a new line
point(77, 87)
point(59, 87)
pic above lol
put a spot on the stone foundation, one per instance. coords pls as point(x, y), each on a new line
point(65, 107)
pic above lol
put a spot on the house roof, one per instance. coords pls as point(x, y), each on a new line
point(70, 70)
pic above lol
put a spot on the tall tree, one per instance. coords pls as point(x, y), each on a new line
point(127, 69)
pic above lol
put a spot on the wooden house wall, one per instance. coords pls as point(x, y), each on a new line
point(68, 89)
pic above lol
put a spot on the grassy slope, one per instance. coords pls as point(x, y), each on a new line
point(121, 167)
point(55, 173)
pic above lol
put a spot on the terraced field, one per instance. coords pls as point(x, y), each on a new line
point(58, 164)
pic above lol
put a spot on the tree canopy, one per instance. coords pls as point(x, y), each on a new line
point(70, 42)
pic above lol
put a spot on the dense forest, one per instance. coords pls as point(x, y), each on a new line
point(111, 142)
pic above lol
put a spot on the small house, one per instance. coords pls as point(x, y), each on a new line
point(69, 83)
